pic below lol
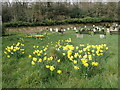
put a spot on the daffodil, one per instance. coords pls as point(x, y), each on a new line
point(52, 68)
point(69, 52)
point(75, 61)
point(85, 56)
point(93, 51)
point(63, 54)
point(76, 67)
point(101, 53)
point(23, 52)
point(77, 47)
point(33, 63)
point(22, 49)
point(8, 56)
point(85, 64)
point(33, 52)
point(93, 54)
point(101, 50)
point(38, 54)
point(5, 52)
point(47, 66)
point(12, 53)
point(76, 55)
point(22, 44)
point(51, 58)
point(59, 71)
point(45, 58)
point(80, 56)
point(40, 60)
point(58, 60)
point(48, 59)
point(90, 57)
point(30, 56)
point(82, 45)
point(45, 53)
point(95, 63)
point(80, 51)
point(106, 48)
point(34, 59)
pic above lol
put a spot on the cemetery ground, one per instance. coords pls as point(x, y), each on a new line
point(19, 73)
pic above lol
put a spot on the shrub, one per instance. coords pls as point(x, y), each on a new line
point(62, 22)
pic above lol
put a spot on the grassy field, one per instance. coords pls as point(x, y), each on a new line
point(19, 73)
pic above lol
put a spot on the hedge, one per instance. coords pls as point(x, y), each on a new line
point(63, 22)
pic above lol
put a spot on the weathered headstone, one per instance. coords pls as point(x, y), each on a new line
point(56, 29)
point(74, 28)
point(50, 29)
point(64, 30)
point(108, 30)
point(76, 31)
point(79, 35)
point(68, 28)
point(102, 36)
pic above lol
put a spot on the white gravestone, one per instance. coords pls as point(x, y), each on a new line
point(102, 36)
point(50, 29)
point(116, 29)
point(68, 28)
point(74, 28)
point(108, 30)
point(76, 31)
point(94, 30)
point(56, 30)
point(93, 25)
point(99, 29)
point(64, 30)
point(79, 35)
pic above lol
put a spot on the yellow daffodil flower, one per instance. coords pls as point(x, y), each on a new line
point(59, 71)
point(33, 63)
point(34, 59)
point(58, 60)
point(40, 60)
point(76, 67)
point(52, 68)
point(30, 56)
point(75, 62)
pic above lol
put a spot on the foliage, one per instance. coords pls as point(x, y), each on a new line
point(83, 59)
point(14, 50)
point(39, 11)
point(21, 74)
point(55, 22)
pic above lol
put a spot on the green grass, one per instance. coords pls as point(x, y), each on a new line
point(19, 73)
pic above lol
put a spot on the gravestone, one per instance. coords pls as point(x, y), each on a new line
point(76, 31)
point(64, 30)
point(56, 29)
point(50, 29)
point(108, 30)
point(79, 35)
point(74, 28)
point(102, 36)
point(68, 28)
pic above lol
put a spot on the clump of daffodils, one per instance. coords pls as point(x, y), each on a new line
point(14, 50)
point(37, 36)
point(82, 58)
